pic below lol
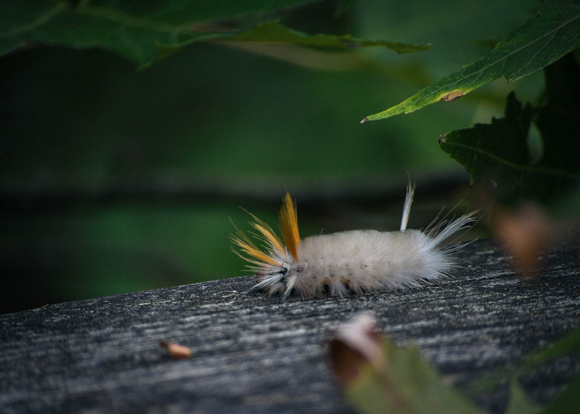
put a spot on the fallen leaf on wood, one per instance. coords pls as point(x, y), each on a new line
point(176, 350)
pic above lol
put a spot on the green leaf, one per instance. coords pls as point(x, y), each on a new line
point(132, 29)
point(147, 31)
point(551, 34)
point(407, 385)
point(498, 155)
point(379, 377)
point(568, 401)
point(568, 344)
point(274, 32)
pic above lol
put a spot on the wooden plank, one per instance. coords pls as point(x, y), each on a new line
point(253, 353)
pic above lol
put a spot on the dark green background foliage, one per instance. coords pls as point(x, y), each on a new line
point(115, 178)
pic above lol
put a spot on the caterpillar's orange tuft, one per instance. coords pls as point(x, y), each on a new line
point(357, 260)
point(289, 226)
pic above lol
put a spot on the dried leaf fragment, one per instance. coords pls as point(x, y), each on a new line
point(524, 234)
point(176, 350)
point(354, 345)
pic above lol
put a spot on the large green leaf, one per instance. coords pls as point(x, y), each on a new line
point(552, 33)
point(145, 31)
point(497, 155)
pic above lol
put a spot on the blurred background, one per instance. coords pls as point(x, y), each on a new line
point(114, 179)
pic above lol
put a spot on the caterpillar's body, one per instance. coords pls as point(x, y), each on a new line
point(358, 260)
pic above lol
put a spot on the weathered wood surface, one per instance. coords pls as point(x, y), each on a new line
point(257, 354)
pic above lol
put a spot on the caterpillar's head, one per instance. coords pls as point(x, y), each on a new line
point(273, 265)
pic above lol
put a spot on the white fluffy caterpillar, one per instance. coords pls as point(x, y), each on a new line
point(357, 260)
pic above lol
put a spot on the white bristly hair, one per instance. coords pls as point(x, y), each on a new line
point(357, 261)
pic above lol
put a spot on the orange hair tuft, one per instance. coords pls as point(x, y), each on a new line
point(289, 226)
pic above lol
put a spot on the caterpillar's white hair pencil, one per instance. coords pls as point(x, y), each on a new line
point(357, 261)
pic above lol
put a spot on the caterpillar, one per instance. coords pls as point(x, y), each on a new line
point(357, 261)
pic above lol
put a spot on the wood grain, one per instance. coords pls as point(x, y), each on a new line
point(253, 353)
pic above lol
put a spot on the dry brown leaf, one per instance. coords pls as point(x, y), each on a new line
point(355, 345)
point(524, 234)
point(176, 350)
